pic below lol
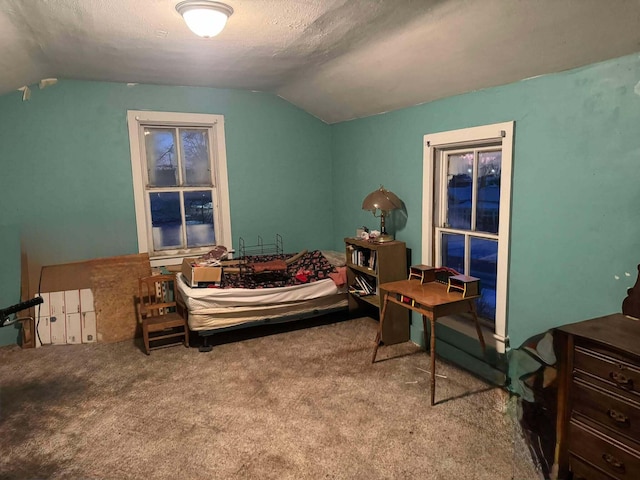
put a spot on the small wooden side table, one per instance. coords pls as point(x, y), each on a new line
point(431, 300)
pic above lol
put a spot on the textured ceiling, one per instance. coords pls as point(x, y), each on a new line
point(337, 59)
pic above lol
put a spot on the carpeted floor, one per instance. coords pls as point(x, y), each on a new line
point(300, 404)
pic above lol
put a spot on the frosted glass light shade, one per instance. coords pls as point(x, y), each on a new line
point(381, 199)
point(384, 201)
point(205, 18)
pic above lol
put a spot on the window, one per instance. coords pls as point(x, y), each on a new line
point(179, 168)
point(466, 200)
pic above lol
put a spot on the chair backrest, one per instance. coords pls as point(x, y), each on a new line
point(156, 295)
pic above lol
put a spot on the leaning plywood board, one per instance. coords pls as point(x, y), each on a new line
point(66, 276)
point(115, 285)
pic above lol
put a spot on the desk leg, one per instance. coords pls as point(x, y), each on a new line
point(379, 334)
point(424, 330)
point(472, 309)
point(432, 351)
point(433, 359)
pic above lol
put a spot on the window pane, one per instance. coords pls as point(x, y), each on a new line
point(484, 265)
point(198, 209)
point(488, 208)
point(195, 153)
point(160, 145)
point(453, 251)
point(459, 190)
point(166, 220)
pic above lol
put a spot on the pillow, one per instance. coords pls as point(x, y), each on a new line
point(340, 276)
point(337, 259)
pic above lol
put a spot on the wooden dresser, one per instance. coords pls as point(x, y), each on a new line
point(598, 426)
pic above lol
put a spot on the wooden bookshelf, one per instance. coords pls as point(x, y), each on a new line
point(377, 263)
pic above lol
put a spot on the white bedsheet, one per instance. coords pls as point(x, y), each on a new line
point(214, 298)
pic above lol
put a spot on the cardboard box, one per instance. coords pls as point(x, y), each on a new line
point(197, 276)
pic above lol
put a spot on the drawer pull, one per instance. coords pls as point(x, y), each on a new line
point(622, 380)
point(613, 462)
point(619, 417)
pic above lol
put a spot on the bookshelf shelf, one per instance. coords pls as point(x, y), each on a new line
point(372, 299)
point(369, 265)
point(365, 270)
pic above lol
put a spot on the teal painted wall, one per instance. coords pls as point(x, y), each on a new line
point(67, 194)
point(66, 173)
point(575, 223)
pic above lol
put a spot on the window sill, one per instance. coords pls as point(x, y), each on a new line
point(166, 261)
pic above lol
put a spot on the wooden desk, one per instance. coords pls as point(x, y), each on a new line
point(431, 300)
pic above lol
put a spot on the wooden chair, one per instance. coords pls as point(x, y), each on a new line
point(158, 313)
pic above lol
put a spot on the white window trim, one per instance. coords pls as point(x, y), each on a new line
point(135, 120)
point(433, 142)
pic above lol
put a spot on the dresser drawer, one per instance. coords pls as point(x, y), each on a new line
point(603, 452)
point(584, 471)
point(624, 376)
point(614, 411)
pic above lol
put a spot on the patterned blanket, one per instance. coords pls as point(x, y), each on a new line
point(310, 267)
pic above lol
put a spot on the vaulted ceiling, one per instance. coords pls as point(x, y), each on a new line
point(336, 59)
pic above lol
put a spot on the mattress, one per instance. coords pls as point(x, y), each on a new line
point(236, 316)
point(211, 308)
point(215, 298)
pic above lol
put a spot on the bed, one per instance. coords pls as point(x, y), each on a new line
point(312, 285)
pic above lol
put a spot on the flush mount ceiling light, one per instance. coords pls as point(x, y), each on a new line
point(205, 18)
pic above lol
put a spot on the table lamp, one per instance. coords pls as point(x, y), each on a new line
point(382, 201)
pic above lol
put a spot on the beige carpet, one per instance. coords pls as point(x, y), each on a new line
point(302, 404)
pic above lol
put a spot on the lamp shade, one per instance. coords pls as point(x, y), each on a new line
point(204, 18)
point(382, 200)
